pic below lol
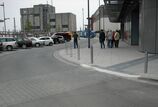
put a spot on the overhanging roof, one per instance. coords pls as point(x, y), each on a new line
point(117, 9)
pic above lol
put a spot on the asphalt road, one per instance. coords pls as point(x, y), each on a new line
point(35, 78)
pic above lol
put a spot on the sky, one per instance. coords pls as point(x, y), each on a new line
point(12, 10)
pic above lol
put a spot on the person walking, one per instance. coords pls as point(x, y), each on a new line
point(75, 36)
point(113, 40)
point(109, 37)
point(102, 39)
point(116, 37)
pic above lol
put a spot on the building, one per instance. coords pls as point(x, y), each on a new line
point(42, 18)
point(138, 18)
point(65, 22)
point(101, 20)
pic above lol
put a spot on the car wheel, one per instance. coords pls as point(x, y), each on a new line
point(37, 45)
point(50, 44)
point(54, 42)
point(9, 48)
point(24, 46)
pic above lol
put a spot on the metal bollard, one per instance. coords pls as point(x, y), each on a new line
point(66, 48)
point(91, 54)
point(78, 52)
point(146, 62)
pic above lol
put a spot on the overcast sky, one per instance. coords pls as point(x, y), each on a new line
point(12, 9)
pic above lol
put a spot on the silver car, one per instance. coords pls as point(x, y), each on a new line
point(9, 43)
point(36, 42)
point(47, 40)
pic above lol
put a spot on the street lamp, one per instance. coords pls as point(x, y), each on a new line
point(88, 27)
point(4, 17)
point(99, 15)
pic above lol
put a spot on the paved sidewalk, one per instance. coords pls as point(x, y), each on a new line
point(125, 59)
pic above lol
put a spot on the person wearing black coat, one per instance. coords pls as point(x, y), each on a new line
point(102, 39)
point(75, 35)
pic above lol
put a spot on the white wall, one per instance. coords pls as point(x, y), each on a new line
point(105, 24)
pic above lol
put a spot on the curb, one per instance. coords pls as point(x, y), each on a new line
point(110, 72)
point(151, 77)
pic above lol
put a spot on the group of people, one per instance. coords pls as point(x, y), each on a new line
point(112, 38)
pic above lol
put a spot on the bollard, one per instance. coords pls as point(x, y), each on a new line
point(91, 54)
point(66, 48)
point(78, 52)
point(146, 62)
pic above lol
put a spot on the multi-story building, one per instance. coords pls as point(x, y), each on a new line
point(42, 18)
point(39, 18)
point(138, 18)
point(65, 22)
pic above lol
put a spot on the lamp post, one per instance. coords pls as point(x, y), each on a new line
point(14, 25)
point(83, 18)
point(4, 17)
point(99, 15)
point(88, 27)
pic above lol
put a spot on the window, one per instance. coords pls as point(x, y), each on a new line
point(42, 38)
point(36, 27)
point(2, 40)
point(47, 38)
point(65, 26)
point(10, 39)
point(33, 39)
point(36, 14)
point(53, 26)
point(52, 20)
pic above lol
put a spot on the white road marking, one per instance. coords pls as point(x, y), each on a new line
point(110, 72)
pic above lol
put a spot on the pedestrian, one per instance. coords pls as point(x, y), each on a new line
point(75, 36)
point(109, 37)
point(102, 38)
point(116, 37)
point(113, 40)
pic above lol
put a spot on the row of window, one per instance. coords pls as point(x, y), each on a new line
point(6, 39)
point(53, 26)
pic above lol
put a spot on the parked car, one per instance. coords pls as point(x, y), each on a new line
point(66, 35)
point(1, 46)
point(61, 39)
point(23, 42)
point(47, 40)
point(36, 42)
point(57, 38)
point(8, 43)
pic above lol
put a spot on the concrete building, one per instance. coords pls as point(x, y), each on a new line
point(40, 17)
point(65, 22)
point(138, 18)
point(101, 20)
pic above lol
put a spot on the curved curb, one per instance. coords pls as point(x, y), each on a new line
point(61, 58)
point(110, 72)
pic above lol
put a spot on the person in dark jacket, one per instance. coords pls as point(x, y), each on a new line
point(75, 36)
point(102, 39)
